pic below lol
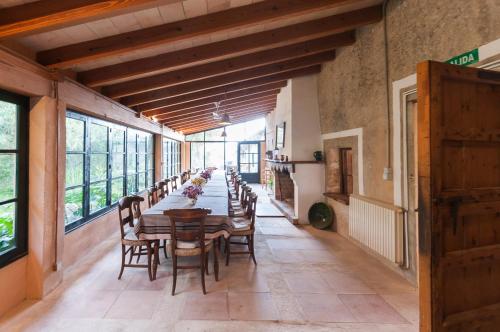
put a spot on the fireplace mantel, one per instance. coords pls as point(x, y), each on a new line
point(289, 165)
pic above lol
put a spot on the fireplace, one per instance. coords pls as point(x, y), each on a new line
point(284, 187)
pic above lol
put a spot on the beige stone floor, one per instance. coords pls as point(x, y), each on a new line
point(306, 280)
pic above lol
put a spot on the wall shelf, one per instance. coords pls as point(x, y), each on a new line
point(290, 165)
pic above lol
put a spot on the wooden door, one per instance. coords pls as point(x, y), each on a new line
point(459, 198)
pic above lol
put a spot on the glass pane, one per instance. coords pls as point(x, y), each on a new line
point(214, 155)
point(254, 148)
point(131, 163)
point(73, 205)
point(131, 141)
point(97, 196)
point(116, 189)
point(195, 137)
point(74, 169)
point(197, 155)
point(142, 162)
point(244, 168)
point(141, 143)
point(247, 131)
point(98, 167)
point(98, 138)
point(150, 178)
point(214, 135)
point(117, 140)
point(150, 143)
point(117, 164)
point(254, 168)
point(231, 154)
point(244, 158)
point(151, 161)
point(131, 184)
point(142, 181)
point(244, 148)
point(75, 131)
point(7, 176)
point(7, 226)
point(8, 125)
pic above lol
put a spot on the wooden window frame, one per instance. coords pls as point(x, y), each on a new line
point(20, 249)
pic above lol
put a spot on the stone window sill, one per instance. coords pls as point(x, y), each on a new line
point(342, 198)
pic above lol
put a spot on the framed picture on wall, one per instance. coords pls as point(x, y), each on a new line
point(280, 135)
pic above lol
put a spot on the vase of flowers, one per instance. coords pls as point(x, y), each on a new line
point(207, 174)
point(199, 181)
point(192, 193)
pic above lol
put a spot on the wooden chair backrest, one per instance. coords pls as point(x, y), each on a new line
point(252, 208)
point(166, 181)
point(187, 225)
point(152, 196)
point(173, 182)
point(160, 185)
point(183, 177)
point(132, 204)
point(244, 196)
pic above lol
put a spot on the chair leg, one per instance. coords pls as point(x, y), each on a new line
point(123, 262)
point(149, 262)
point(157, 258)
point(216, 263)
point(132, 251)
point(174, 272)
point(165, 248)
point(228, 250)
point(252, 248)
point(202, 268)
point(206, 264)
point(139, 257)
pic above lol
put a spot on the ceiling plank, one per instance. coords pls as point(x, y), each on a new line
point(229, 65)
point(203, 117)
point(211, 99)
point(215, 125)
point(260, 12)
point(231, 47)
point(198, 122)
point(173, 99)
point(230, 78)
point(43, 15)
point(224, 102)
point(270, 103)
point(266, 100)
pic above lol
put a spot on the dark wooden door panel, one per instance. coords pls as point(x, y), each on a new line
point(459, 197)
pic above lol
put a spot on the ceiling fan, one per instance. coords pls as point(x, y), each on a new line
point(223, 118)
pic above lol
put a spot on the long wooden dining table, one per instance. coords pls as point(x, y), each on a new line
point(154, 225)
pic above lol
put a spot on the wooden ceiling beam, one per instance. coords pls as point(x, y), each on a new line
point(180, 107)
point(269, 104)
point(217, 92)
point(231, 78)
point(267, 101)
point(229, 65)
point(43, 15)
point(257, 13)
point(231, 47)
point(198, 122)
point(209, 116)
point(211, 99)
point(215, 125)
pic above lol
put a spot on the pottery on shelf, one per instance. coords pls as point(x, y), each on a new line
point(318, 155)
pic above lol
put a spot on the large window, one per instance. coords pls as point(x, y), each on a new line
point(13, 177)
point(104, 162)
point(210, 149)
point(171, 157)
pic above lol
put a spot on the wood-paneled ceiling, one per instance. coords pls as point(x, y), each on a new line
point(172, 60)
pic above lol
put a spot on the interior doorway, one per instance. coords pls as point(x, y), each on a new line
point(249, 161)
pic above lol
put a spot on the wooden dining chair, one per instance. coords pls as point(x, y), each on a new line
point(129, 211)
point(153, 197)
point(160, 185)
point(184, 177)
point(187, 229)
point(173, 182)
point(166, 181)
point(244, 227)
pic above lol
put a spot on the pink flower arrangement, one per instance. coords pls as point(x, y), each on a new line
point(206, 174)
point(192, 192)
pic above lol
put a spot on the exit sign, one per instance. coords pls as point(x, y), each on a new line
point(465, 59)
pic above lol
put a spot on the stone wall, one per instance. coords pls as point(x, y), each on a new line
point(351, 89)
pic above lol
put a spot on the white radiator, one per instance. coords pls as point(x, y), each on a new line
point(377, 225)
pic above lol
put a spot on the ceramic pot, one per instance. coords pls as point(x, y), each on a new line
point(318, 155)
